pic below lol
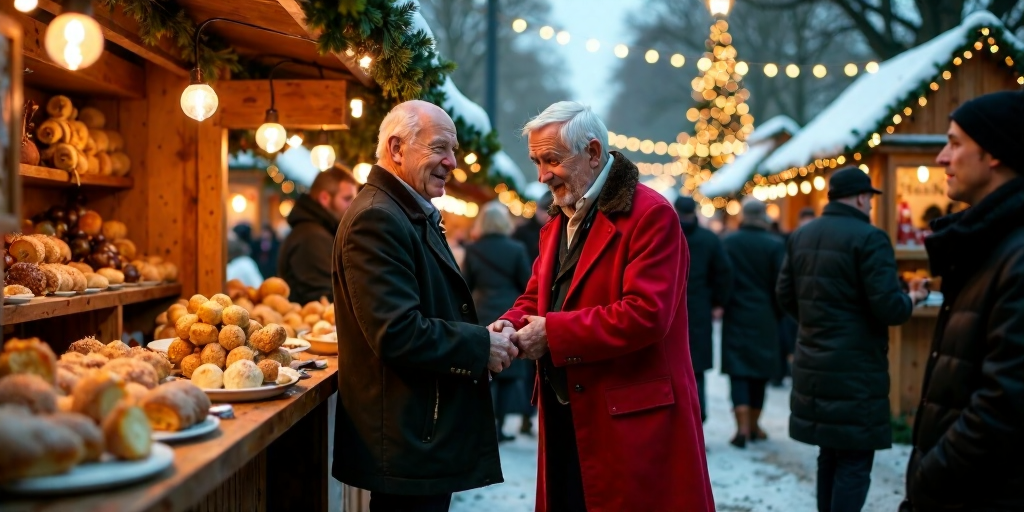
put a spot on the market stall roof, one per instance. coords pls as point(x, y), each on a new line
point(866, 105)
point(762, 141)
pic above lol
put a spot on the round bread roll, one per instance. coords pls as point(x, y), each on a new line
point(134, 370)
point(189, 364)
point(65, 404)
point(79, 278)
point(202, 334)
point(54, 278)
point(178, 349)
point(96, 281)
point(311, 319)
point(275, 285)
point(86, 345)
point(320, 328)
point(208, 376)
point(29, 355)
point(222, 299)
point(210, 312)
point(66, 379)
point(214, 354)
point(312, 308)
point(74, 358)
point(113, 275)
point(196, 301)
point(280, 355)
point(161, 319)
point(269, 368)
point(239, 354)
point(97, 393)
point(231, 337)
point(253, 328)
point(50, 248)
point(28, 390)
point(245, 303)
point(235, 315)
point(115, 349)
point(158, 361)
point(86, 269)
point(292, 319)
point(183, 327)
point(269, 338)
point(83, 427)
point(127, 433)
point(172, 407)
point(34, 446)
point(277, 303)
point(136, 392)
point(94, 360)
point(289, 331)
point(243, 374)
point(16, 289)
point(175, 312)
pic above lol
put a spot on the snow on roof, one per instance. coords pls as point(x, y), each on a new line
point(502, 164)
point(535, 190)
point(871, 99)
point(730, 178)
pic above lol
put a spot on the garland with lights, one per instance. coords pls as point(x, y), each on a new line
point(157, 19)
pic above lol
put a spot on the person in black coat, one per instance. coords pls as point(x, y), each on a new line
point(414, 419)
point(307, 254)
point(750, 340)
point(707, 289)
point(969, 427)
point(497, 270)
point(839, 281)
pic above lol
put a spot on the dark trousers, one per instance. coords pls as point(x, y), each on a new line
point(843, 479)
point(564, 481)
point(747, 391)
point(701, 397)
point(381, 502)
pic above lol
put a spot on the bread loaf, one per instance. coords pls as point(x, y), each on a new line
point(97, 394)
point(127, 433)
point(84, 428)
point(30, 391)
point(34, 446)
point(176, 406)
point(29, 356)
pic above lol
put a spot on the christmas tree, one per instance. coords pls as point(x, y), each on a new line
point(721, 116)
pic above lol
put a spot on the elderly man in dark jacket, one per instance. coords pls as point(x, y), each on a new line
point(750, 340)
point(707, 289)
point(306, 256)
point(414, 420)
point(969, 427)
point(839, 282)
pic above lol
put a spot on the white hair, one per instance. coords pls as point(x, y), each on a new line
point(402, 122)
point(494, 218)
point(579, 123)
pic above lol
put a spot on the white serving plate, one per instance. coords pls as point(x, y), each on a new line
point(248, 394)
point(97, 475)
point(210, 424)
point(131, 284)
point(22, 298)
point(65, 294)
point(297, 345)
point(116, 286)
point(148, 283)
point(89, 291)
point(321, 345)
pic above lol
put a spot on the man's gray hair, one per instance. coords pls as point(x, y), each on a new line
point(579, 125)
point(402, 122)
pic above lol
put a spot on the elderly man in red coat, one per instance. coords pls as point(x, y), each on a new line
point(604, 315)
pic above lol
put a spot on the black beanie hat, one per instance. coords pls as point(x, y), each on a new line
point(996, 122)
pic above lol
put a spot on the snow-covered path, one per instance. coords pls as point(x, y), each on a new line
point(777, 475)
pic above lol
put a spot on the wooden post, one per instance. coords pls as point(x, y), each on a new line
point(211, 236)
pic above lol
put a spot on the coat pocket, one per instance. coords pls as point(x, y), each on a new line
point(640, 397)
point(430, 426)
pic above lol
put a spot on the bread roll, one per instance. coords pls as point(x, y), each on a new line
point(269, 338)
point(213, 353)
point(210, 312)
point(34, 446)
point(201, 334)
point(274, 285)
point(86, 269)
point(134, 370)
point(97, 394)
point(231, 337)
point(269, 368)
point(175, 312)
point(86, 345)
point(253, 328)
point(127, 432)
point(94, 360)
point(240, 353)
point(178, 349)
point(189, 364)
point(320, 328)
point(176, 406)
point(30, 391)
point(158, 361)
point(243, 374)
point(84, 428)
point(184, 325)
point(312, 308)
point(235, 315)
point(196, 301)
point(280, 355)
point(222, 299)
point(135, 392)
point(113, 275)
point(29, 356)
point(66, 379)
point(208, 376)
point(96, 281)
point(115, 349)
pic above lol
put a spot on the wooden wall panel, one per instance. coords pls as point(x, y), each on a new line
point(211, 237)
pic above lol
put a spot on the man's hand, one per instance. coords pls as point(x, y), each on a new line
point(503, 327)
point(502, 352)
point(532, 340)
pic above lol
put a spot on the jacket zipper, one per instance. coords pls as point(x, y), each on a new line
point(437, 405)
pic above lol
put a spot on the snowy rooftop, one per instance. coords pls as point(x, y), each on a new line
point(871, 99)
point(729, 179)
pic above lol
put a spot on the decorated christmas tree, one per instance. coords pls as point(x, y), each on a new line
point(721, 116)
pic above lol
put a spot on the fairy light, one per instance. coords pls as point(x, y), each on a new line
point(850, 69)
point(678, 60)
point(519, 25)
point(593, 45)
point(621, 51)
point(770, 70)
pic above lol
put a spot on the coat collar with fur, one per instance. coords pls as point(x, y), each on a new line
point(617, 194)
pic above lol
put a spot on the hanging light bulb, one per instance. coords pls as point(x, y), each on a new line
point(365, 62)
point(362, 171)
point(239, 203)
point(25, 5)
point(74, 39)
point(357, 108)
point(198, 100)
point(322, 155)
point(719, 7)
point(923, 174)
point(295, 141)
point(270, 137)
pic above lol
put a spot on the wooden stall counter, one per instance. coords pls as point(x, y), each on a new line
point(272, 456)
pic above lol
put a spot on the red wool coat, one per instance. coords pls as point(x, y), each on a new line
point(622, 338)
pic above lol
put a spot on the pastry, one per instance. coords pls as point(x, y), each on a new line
point(29, 276)
point(96, 281)
point(115, 349)
point(269, 368)
point(178, 349)
point(254, 327)
point(51, 251)
point(135, 392)
point(133, 370)
point(269, 338)
point(66, 378)
point(34, 446)
point(97, 393)
point(79, 278)
point(202, 334)
point(29, 356)
point(235, 315)
point(54, 278)
point(59, 107)
point(208, 376)
point(26, 249)
point(30, 391)
point(312, 308)
point(158, 361)
point(92, 118)
point(175, 312)
point(189, 364)
point(240, 353)
point(16, 289)
point(127, 433)
point(86, 346)
point(84, 428)
point(176, 406)
point(184, 325)
point(196, 301)
point(113, 276)
point(243, 374)
point(320, 328)
point(221, 299)
point(231, 337)
point(214, 354)
point(94, 360)
point(280, 355)
point(278, 303)
point(210, 312)
point(274, 285)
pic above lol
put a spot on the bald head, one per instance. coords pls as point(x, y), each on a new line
point(417, 143)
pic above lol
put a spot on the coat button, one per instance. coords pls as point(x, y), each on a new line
point(579, 388)
point(935, 354)
point(465, 308)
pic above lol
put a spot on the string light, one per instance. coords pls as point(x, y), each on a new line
point(850, 69)
point(819, 71)
point(519, 25)
point(871, 67)
point(562, 38)
point(770, 70)
point(593, 45)
point(546, 32)
point(678, 60)
point(651, 56)
point(792, 71)
point(621, 51)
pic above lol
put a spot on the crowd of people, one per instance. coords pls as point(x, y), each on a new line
point(597, 314)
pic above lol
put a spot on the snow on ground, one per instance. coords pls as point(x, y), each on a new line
point(777, 475)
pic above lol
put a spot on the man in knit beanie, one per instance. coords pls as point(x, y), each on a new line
point(969, 426)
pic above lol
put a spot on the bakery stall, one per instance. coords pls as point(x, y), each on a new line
point(892, 124)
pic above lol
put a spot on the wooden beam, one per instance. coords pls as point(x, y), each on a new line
point(211, 236)
point(295, 10)
point(301, 104)
point(110, 73)
point(120, 29)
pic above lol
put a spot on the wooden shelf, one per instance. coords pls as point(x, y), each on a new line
point(52, 307)
point(911, 253)
point(49, 177)
point(926, 312)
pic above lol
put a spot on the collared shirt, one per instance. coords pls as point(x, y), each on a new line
point(585, 203)
point(428, 207)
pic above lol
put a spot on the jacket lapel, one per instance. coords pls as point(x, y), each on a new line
point(601, 235)
point(441, 251)
point(550, 235)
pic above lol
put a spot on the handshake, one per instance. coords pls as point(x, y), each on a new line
point(530, 342)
